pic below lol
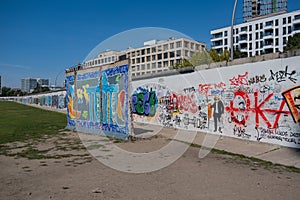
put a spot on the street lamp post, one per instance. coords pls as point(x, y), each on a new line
point(232, 22)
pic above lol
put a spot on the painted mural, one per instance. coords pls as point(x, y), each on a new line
point(257, 101)
point(70, 98)
point(88, 101)
point(254, 101)
point(115, 98)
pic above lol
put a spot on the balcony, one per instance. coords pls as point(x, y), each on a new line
point(269, 45)
point(216, 37)
point(296, 19)
point(268, 35)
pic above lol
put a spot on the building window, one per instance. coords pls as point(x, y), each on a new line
point(159, 56)
point(143, 59)
point(159, 65)
point(290, 20)
point(171, 45)
point(276, 41)
point(225, 33)
point(186, 44)
point(261, 35)
point(284, 40)
point(165, 47)
point(192, 45)
point(138, 68)
point(148, 58)
point(148, 51)
point(143, 73)
point(148, 66)
point(186, 53)
point(178, 53)
point(284, 30)
point(289, 30)
point(166, 63)
point(178, 44)
point(138, 73)
point(256, 26)
point(133, 74)
point(153, 49)
point(284, 21)
point(133, 61)
point(250, 37)
point(198, 46)
point(250, 28)
point(138, 53)
point(153, 57)
point(225, 42)
point(256, 36)
point(143, 51)
point(153, 65)
point(138, 60)
point(172, 54)
point(276, 32)
point(261, 25)
point(276, 22)
point(166, 55)
point(143, 66)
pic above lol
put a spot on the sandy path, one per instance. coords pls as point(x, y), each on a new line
point(217, 176)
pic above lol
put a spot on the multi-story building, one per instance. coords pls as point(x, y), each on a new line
point(157, 56)
point(104, 58)
point(154, 57)
point(29, 84)
point(264, 34)
point(256, 8)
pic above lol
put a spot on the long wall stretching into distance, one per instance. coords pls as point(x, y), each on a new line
point(261, 101)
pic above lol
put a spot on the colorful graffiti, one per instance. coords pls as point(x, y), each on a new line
point(258, 103)
point(115, 106)
point(70, 97)
point(88, 100)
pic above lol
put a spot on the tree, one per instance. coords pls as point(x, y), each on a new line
point(184, 63)
point(293, 42)
point(201, 58)
point(238, 54)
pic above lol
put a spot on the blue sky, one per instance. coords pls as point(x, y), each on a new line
point(40, 38)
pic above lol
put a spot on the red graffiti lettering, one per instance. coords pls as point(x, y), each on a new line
point(204, 89)
point(258, 110)
point(240, 80)
point(186, 102)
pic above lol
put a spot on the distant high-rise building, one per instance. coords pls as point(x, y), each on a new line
point(257, 8)
point(29, 84)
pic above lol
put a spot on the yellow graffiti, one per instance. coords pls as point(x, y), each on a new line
point(86, 96)
point(73, 113)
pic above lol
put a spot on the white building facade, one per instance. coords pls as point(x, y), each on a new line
point(261, 35)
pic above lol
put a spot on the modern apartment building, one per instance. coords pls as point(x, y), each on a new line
point(153, 57)
point(29, 84)
point(260, 35)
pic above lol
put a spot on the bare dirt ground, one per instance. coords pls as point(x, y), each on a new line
point(61, 168)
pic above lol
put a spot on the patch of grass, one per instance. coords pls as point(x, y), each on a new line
point(20, 122)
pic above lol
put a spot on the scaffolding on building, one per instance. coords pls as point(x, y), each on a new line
point(257, 8)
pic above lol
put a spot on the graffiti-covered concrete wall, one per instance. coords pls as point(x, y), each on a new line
point(256, 101)
point(53, 100)
point(98, 100)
